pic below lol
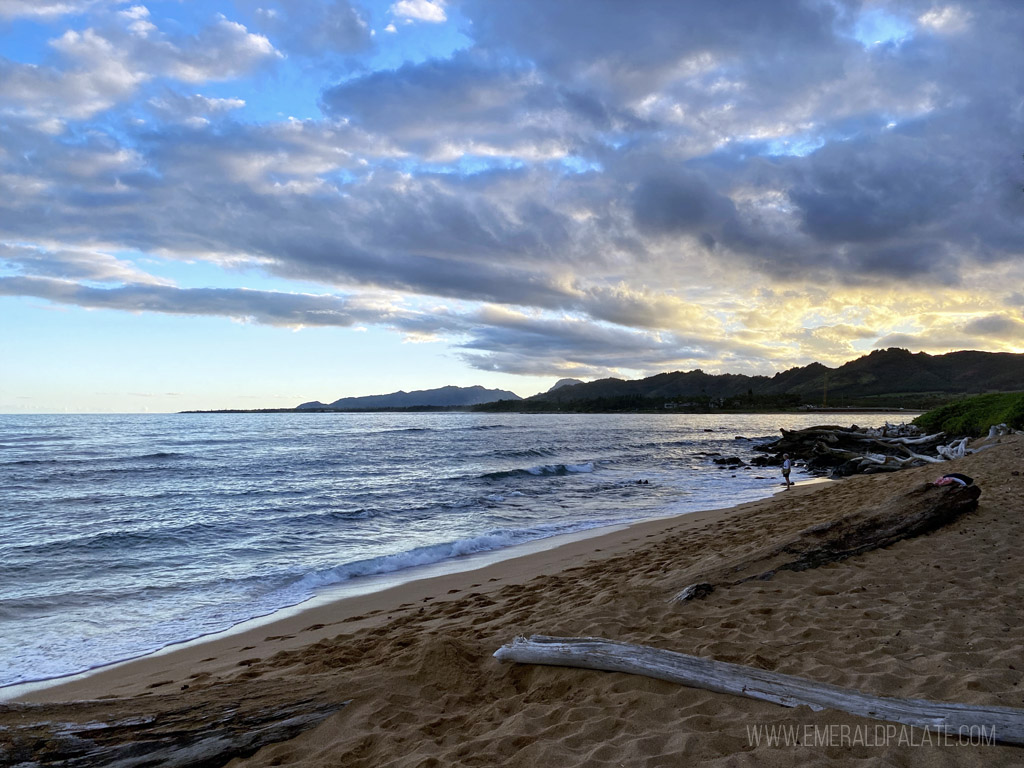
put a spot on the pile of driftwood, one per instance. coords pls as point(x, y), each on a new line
point(842, 451)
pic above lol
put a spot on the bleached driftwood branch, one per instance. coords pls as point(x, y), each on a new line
point(1005, 724)
point(955, 450)
point(997, 430)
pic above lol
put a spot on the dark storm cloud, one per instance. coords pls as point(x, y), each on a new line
point(997, 326)
point(667, 204)
point(870, 191)
point(477, 104)
point(524, 345)
point(878, 202)
point(633, 42)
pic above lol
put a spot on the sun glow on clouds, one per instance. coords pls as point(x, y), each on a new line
point(522, 196)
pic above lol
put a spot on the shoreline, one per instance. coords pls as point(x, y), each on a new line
point(367, 586)
point(406, 676)
point(344, 603)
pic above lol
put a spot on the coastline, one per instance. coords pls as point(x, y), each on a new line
point(932, 617)
point(291, 627)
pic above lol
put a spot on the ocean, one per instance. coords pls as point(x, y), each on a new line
point(123, 534)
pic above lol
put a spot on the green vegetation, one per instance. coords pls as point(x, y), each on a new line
point(974, 415)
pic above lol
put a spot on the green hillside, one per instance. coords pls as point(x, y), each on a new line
point(889, 378)
point(974, 415)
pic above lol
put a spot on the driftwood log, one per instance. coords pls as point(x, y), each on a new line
point(922, 509)
point(842, 451)
point(1003, 724)
point(203, 735)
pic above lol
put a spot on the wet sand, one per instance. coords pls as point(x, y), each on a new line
point(935, 617)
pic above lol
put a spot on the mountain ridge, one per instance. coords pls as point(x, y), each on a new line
point(892, 377)
point(441, 397)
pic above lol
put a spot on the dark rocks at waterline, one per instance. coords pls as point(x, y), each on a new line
point(730, 462)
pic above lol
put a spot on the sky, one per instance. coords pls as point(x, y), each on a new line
point(259, 203)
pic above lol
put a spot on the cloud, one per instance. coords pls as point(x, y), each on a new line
point(689, 183)
point(97, 79)
point(996, 326)
point(74, 265)
point(266, 307)
point(683, 203)
point(949, 19)
point(11, 9)
point(431, 11)
point(96, 69)
point(221, 51)
point(313, 27)
point(172, 106)
point(526, 344)
point(473, 105)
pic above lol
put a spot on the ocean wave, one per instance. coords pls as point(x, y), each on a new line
point(498, 498)
point(121, 541)
point(436, 553)
point(64, 655)
point(97, 461)
point(31, 604)
point(331, 514)
point(35, 439)
point(524, 453)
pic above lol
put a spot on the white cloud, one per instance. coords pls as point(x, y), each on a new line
point(946, 19)
point(431, 11)
point(41, 8)
point(223, 51)
point(137, 18)
point(99, 68)
point(176, 107)
point(98, 77)
point(75, 264)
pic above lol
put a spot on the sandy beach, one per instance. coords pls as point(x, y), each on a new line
point(934, 617)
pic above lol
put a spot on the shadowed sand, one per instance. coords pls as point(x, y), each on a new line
point(936, 617)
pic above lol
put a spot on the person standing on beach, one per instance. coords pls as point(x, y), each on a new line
point(787, 465)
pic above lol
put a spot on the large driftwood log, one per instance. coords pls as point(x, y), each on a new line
point(1002, 724)
point(920, 510)
point(203, 736)
point(851, 450)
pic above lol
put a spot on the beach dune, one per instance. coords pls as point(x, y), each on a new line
point(411, 674)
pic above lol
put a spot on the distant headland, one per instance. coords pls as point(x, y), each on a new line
point(888, 379)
